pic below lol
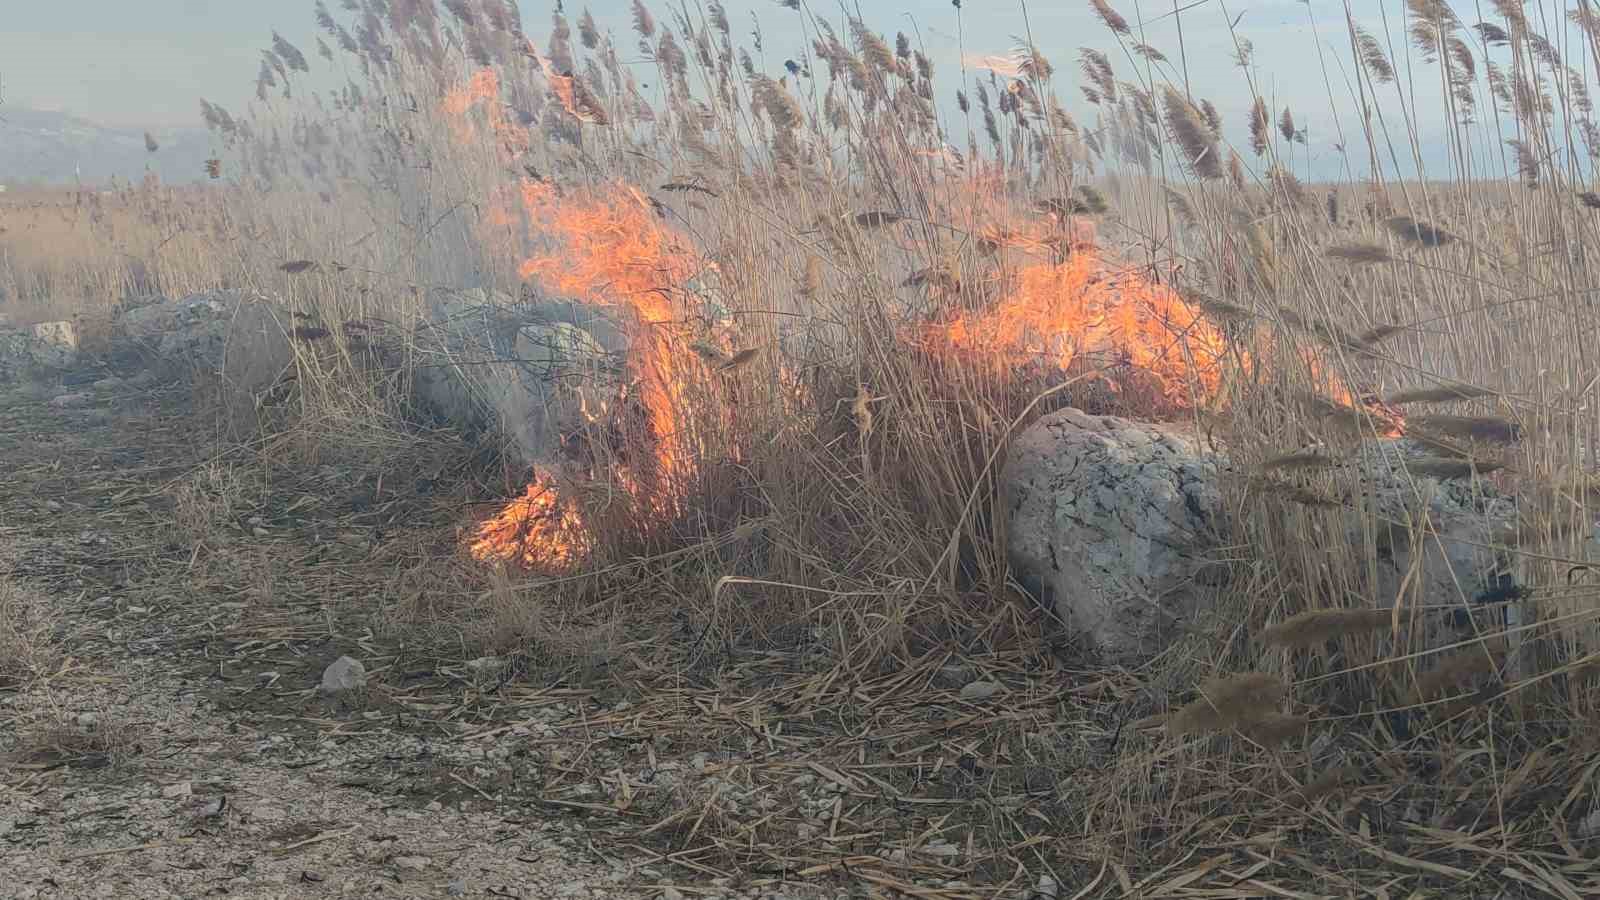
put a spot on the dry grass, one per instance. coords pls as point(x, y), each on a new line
point(835, 504)
point(27, 651)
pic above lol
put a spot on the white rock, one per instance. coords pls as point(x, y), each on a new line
point(176, 791)
point(67, 401)
point(414, 863)
point(979, 690)
point(1118, 527)
point(344, 674)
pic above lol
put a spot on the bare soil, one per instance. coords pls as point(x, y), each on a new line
point(172, 741)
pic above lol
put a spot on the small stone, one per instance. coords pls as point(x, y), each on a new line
point(344, 674)
point(413, 863)
point(258, 531)
point(88, 720)
point(434, 806)
point(177, 791)
point(109, 383)
point(1047, 889)
point(979, 690)
point(66, 401)
point(485, 665)
point(456, 888)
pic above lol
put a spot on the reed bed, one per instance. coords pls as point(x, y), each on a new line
point(828, 485)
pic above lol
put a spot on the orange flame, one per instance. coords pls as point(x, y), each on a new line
point(613, 251)
point(537, 530)
point(483, 89)
point(607, 248)
point(1083, 309)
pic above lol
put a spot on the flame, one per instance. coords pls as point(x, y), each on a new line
point(537, 530)
point(606, 247)
point(1082, 308)
point(483, 90)
point(613, 251)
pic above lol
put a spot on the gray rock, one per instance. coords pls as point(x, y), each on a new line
point(480, 363)
point(1111, 522)
point(67, 401)
point(413, 863)
point(979, 690)
point(1116, 526)
point(342, 675)
point(237, 336)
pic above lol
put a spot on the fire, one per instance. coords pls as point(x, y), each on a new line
point(1083, 308)
point(606, 247)
point(613, 251)
point(537, 530)
point(483, 90)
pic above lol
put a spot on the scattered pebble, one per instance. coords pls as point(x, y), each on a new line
point(979, 690)
point(342, 675)
point(67, 401)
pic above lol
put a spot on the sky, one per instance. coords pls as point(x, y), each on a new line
point(145, 64)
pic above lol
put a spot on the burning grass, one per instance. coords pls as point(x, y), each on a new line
point(835, 320)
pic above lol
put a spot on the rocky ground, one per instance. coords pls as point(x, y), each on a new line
point(152, 753)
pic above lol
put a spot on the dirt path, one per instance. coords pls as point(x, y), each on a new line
point(171, 740)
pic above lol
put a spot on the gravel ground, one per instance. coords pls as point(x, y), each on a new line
point(154, 743)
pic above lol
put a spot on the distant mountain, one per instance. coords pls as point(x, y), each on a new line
point(59, 148)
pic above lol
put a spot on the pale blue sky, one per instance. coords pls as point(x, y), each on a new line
point(144, 63)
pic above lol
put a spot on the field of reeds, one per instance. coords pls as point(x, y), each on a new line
point(843, 280)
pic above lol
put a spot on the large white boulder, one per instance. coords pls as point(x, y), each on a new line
point(1121, 528)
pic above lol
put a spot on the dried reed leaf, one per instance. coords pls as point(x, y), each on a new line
point(878, 219)
point(1317, 626)
point(1222, 310)
point(1229, 701)
point(1442, 394)
point(740, 359)
point(687, 186)
point(932, 277)
point(1480, 428)
point(1379, 333)
point(1359, 253)
point(708, 352)
point(1094, 202)
point(1410, 229)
